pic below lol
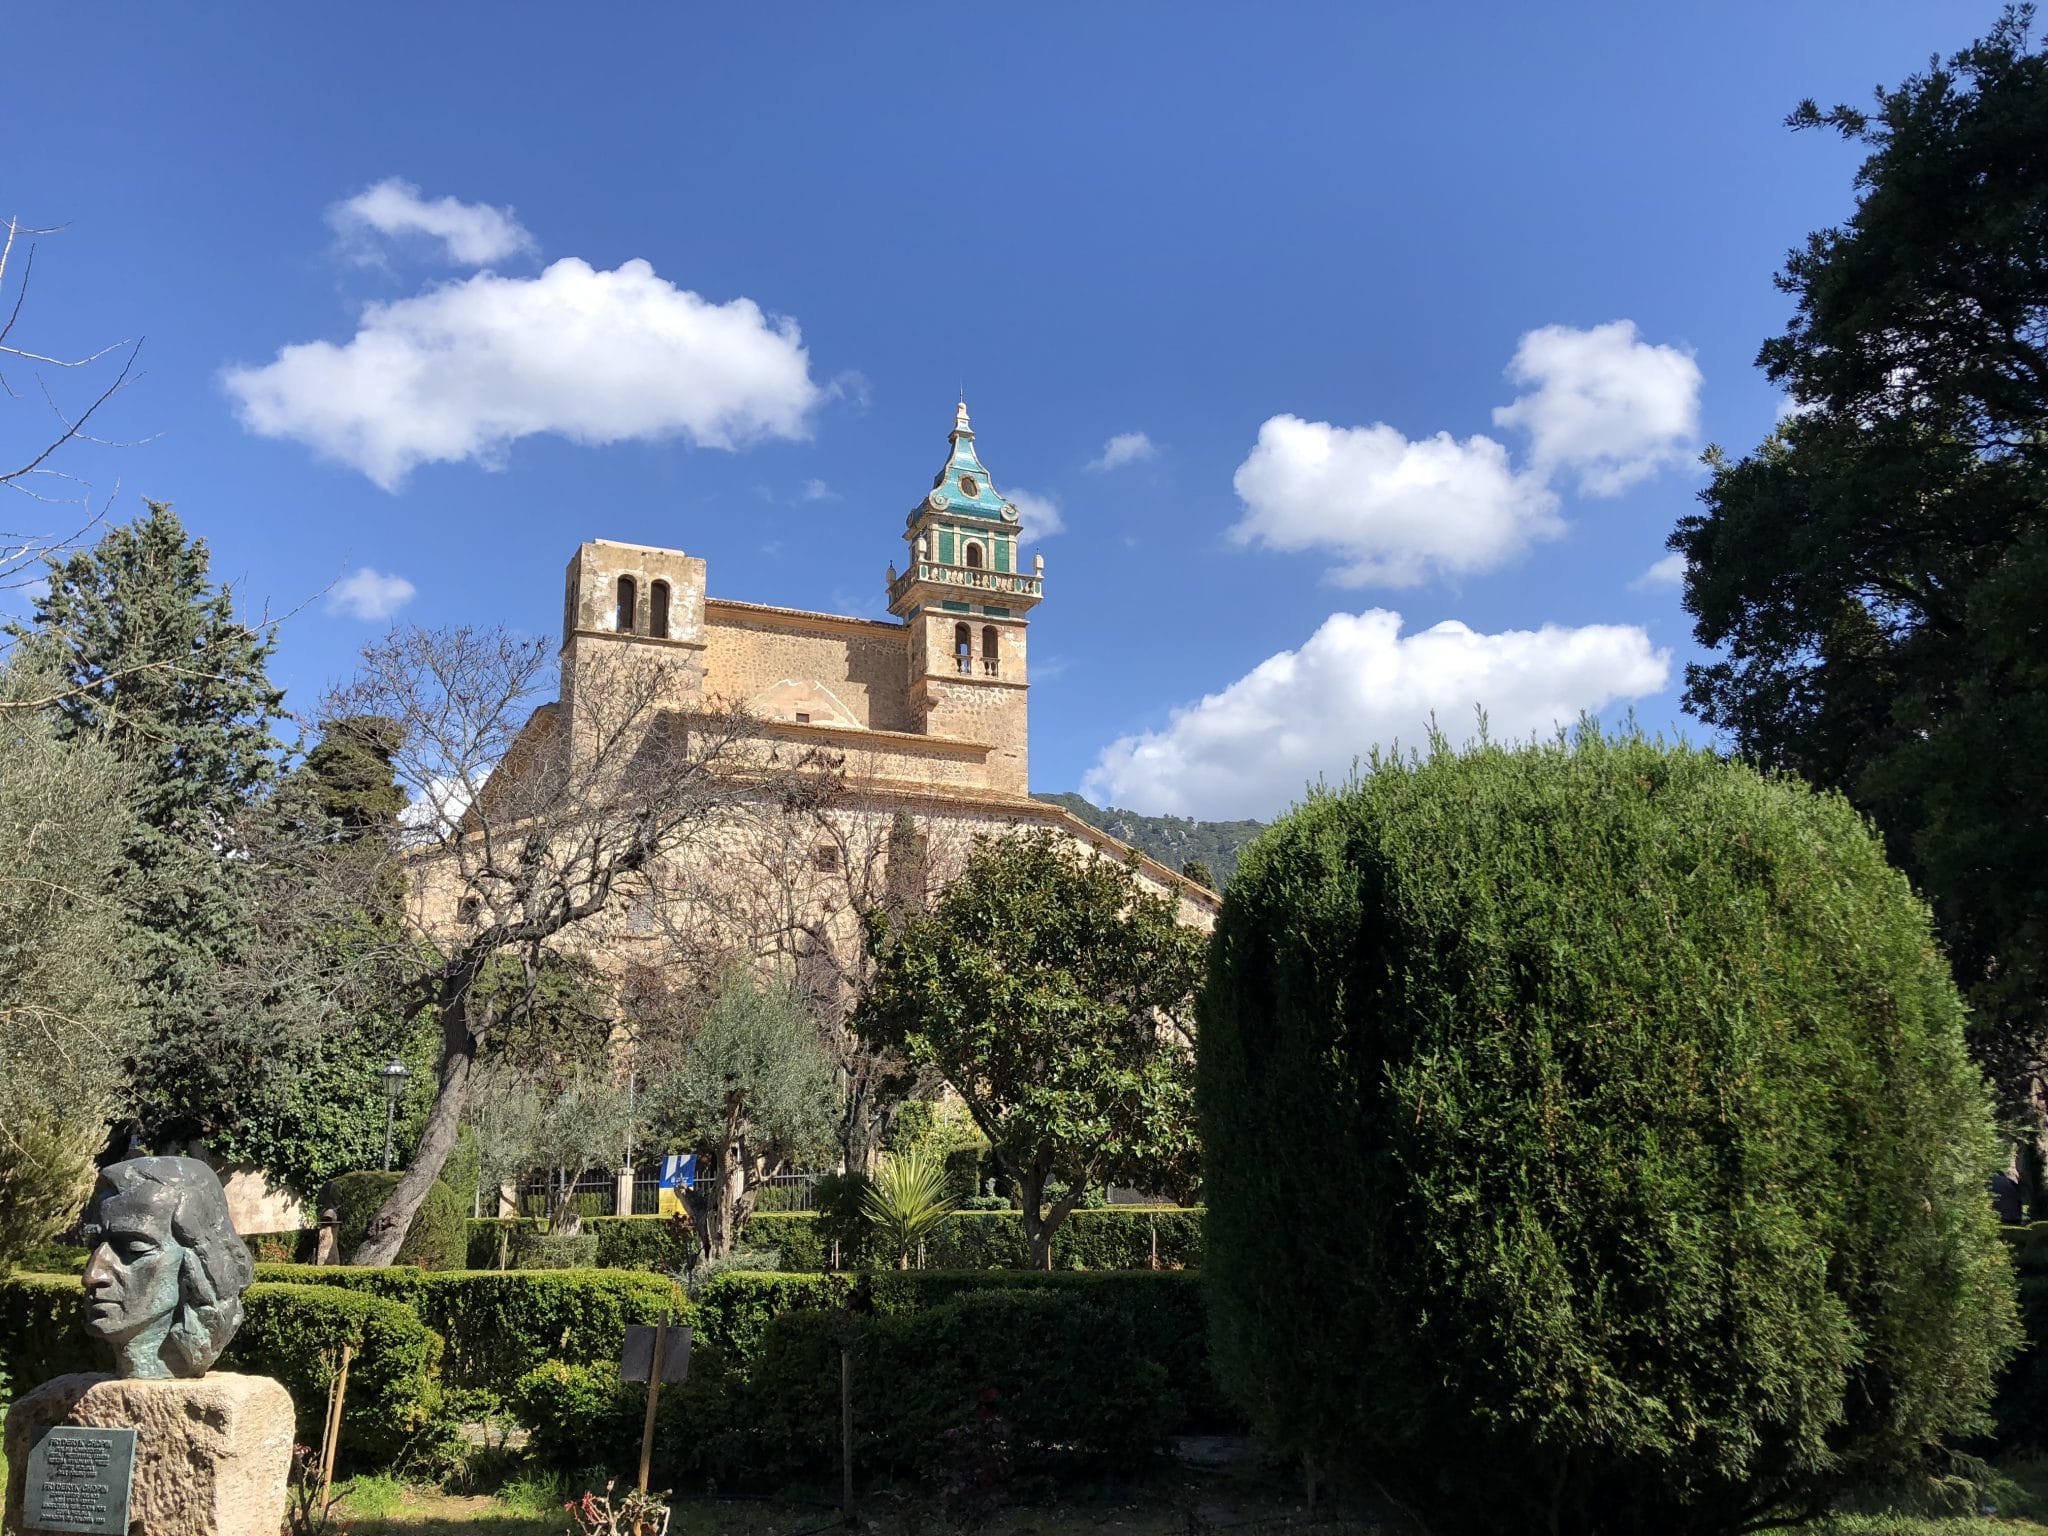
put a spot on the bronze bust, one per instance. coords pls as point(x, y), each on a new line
point(164, 1284)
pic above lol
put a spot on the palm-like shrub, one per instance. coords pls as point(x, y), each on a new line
point(908, 1200)
point(1591, 1145)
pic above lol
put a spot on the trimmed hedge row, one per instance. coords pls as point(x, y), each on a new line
point(1118, 1238)
point(653, 1243)
point(499, 1326)
point(291, 1332)
point(952, 1371)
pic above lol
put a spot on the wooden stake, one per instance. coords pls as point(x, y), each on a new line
point(334, 1425)
point(653, 1397)
point(846, 1433)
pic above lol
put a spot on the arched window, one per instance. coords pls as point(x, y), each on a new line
point(974, 557)
point(629, 605)
point(963, 647)
point(657, 611)
point(988, 649)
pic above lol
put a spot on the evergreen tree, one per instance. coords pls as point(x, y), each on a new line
point(152, 663)
point(1872, 575)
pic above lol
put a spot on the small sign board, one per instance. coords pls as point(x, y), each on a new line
point(78, 1480)
point(638, 1360)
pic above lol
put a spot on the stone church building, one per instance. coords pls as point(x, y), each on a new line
point(926, 715)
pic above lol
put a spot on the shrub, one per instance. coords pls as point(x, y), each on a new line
point(292, 1332)
point(1074, 1367)
point(439, 1237)
point(295, 1333)
point(1663, 1161)
point(658, 1243)
point(536, 1249)
point(46, 1172)
point(499, 1326)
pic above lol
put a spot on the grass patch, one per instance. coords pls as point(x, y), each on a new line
point(535, 1495)
point(371, 1497)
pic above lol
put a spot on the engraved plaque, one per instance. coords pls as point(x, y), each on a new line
point(638, 1357)
point(78, 1480)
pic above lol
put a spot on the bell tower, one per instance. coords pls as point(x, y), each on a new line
point(965, 601)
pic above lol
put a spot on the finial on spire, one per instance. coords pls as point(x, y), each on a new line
point(960, 414)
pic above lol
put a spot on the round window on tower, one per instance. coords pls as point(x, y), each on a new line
point(968, 488)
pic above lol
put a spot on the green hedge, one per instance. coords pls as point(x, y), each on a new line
point(291, 1332)
point(295, 1333)
point(953, 1371)
point(658, 1244)
point(1109, 1238)
point(499, 1326)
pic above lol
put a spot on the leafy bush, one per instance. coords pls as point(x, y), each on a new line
point(439, 1238)
point(292, 1332)
point(532, 1249)
point(295, 1333)
point(1061, 1367)
point(46, 1173)
point(499, 1326)
point(1663, 1160)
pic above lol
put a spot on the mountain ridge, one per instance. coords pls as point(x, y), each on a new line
point(1172, 840)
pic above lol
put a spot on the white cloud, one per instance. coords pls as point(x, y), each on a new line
point(1668, 572)
point(1125, 448)
point(1038, 516)
point(817, 490)
point(435, 813)
point(369, 594)
point(1605, 403)
point(1358, 682)
point(1395, 510)
point(470, 234)
point(465, 370)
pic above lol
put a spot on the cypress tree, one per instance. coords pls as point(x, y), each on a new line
point(1591, 1145)
point(152, 662)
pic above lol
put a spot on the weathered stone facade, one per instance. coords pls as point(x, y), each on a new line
point(925, 717)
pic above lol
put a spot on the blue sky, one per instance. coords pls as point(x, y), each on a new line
point(1289, 244)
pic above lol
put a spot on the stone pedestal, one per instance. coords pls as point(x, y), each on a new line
point(212, 1455)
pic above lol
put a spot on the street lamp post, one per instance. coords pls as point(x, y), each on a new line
point(394, 1086)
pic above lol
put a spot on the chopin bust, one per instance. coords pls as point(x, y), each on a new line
point(164, 1284)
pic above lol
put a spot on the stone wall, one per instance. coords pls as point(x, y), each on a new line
point(863, 663)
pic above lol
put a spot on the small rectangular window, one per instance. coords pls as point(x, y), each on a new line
point(825, 858)
point(802, 718)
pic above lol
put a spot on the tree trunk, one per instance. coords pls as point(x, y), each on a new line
point(1039, 1230)
point(393, 1220)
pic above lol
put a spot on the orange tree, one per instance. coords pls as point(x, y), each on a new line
point(1055, 995)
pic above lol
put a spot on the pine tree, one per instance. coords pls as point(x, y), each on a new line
point(152, 662)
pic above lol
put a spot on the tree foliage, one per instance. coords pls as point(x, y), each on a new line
point(1873, 573)
point(1055, 995)
point(529, 815)
point(750, 1093)
point(1597, 1115)
point(152, 664)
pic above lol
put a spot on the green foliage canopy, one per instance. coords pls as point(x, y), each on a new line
point(1661, 1155)
point(1055, 995)
point(1873, 574)
point(153, 664)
